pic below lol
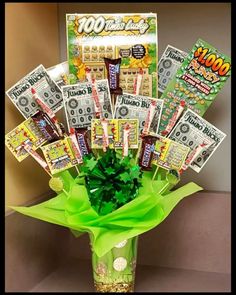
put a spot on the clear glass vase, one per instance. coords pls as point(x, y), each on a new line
point(115, 271)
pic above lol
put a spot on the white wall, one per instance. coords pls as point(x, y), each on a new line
point(181, 25)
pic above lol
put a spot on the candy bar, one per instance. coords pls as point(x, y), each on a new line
point(174, 119)
point(128, 79)
point(149, 117)
point(95, 97)
point(88, 74)
point(75, 146)
point(83, 135)
point(46, 126)
point(138, 82)
point(105, 140)
point(126, 134)
point(147, 151)
point(113, 74)
point(97, 105)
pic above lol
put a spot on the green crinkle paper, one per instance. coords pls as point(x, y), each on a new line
point(72, 209)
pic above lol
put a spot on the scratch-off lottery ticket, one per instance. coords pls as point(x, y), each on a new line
point(192, 131)
point(130, 106)
point(197, 82)
point(171, 59)
point(20, 94)
point(26, 132)
point(60, 74)
point(59, 155)
point(131, 37)
point(79, 103)
point(115, 133)
point(169, 154)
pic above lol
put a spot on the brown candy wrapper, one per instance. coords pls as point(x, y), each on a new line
point(83, 137)
point(147, 151)
point(113, 74)
point(46, 126)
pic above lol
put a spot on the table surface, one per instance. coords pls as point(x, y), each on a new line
point(76, 276)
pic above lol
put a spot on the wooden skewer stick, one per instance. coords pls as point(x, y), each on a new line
point(138, 151)
point(155, 173)
point(164, 188)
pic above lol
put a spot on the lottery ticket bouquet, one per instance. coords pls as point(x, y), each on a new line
point(114, 201)
point(113, 173)
point(105, 184)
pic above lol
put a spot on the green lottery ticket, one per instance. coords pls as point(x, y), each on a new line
point(196, 83)
point(131, 37)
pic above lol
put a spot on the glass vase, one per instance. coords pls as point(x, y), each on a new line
point(115, 271)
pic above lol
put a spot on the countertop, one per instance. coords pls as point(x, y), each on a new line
point(75, 275)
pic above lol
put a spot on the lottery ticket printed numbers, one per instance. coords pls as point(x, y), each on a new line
point(131, 37)
point(197, 82)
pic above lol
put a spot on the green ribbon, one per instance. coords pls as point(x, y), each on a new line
point(72, 209)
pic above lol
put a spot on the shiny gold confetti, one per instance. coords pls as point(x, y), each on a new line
point(114, 287)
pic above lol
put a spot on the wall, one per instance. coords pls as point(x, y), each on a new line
point(32, 38)
point(181, 25)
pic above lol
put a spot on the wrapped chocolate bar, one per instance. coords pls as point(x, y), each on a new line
point(83, 138)
point(126, 134)
point(46, 126)
point(75, 146)
point(113, 74)
point(147, 151)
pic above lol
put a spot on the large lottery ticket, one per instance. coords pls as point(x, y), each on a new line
point(79, 103)
point(20, 94)
point(59, 73)
point(115, 133)
point(171, 59)
point(193, 131)
point(26, 132)
point(129, 106)
point(131, 37)
point(196, 84)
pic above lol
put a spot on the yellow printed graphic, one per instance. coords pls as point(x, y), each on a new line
point(169, 154)
point(59, 155)
point(115, 133)
point(26, 132)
